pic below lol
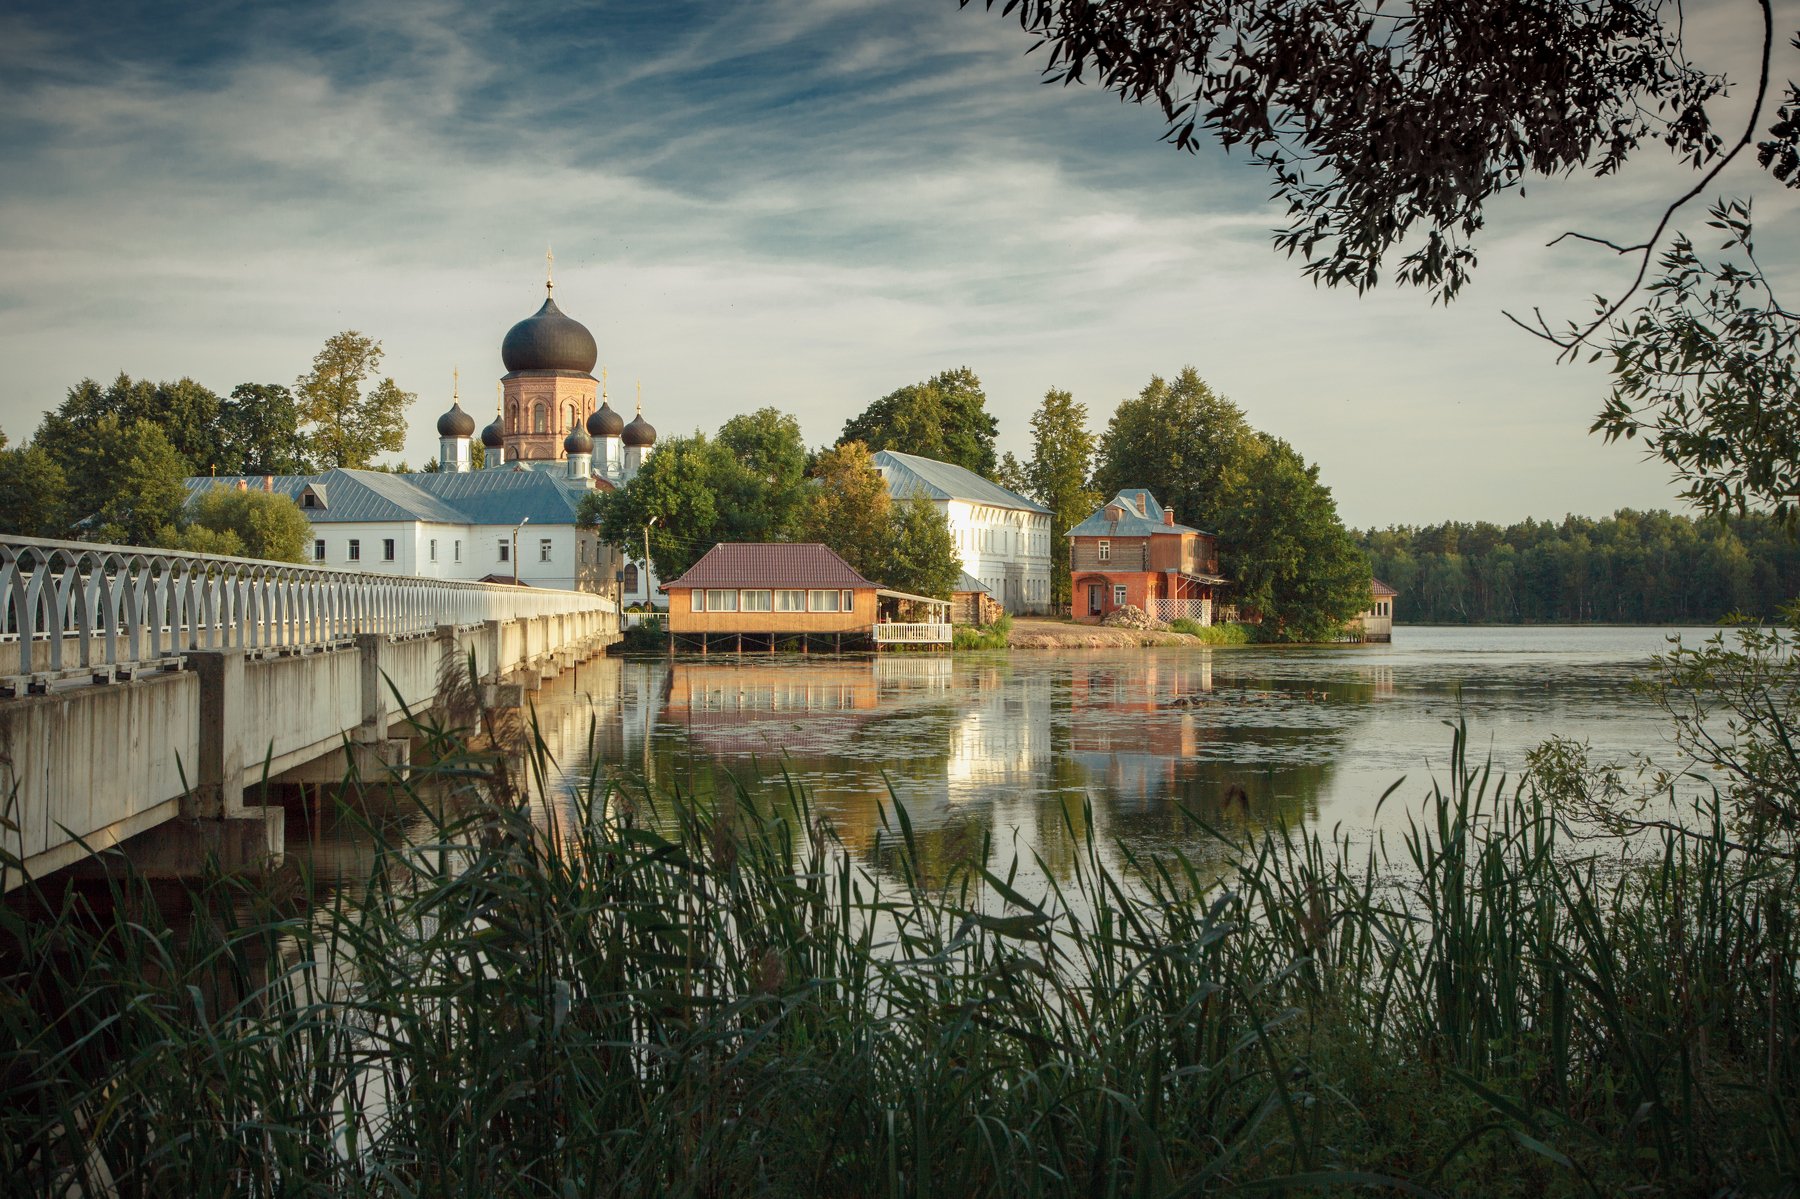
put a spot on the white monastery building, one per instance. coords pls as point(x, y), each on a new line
point(550, 444)
point(1002, 538)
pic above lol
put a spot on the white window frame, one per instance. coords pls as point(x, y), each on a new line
point(849, 602)
point(387, 549)
point(697, 600)
point(505, 550)
point(458, 557)
point(1119, 595)
point(544, 544)
point(816, 600)
point(355, 554)
point(434, 549)
point(721, 599)
point(756, 600)
point(1105, 551)
point(318, 549)
point(786, 601)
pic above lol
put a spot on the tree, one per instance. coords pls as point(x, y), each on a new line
point(1013, 474)
point(945, 418)
point(763, 488)
point(34, 494)
point(187, 413)
point(250, 524)
point(134, 489)
point(1387, 129)
point(259, 432)
point(348, 426)
point(1291, 560)
point(674, 497)
point(1062, 455)
point(1188, 445)
point(921, 554)
point(848, 507)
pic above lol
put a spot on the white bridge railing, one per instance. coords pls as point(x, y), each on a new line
point(912, 634)
point(73, 608)
point(1199, 610)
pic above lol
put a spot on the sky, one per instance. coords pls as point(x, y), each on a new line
point(797, 203)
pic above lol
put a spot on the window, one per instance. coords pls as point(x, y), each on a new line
point(434, 549)
point(1118, 594)
point(458, 549)
point(319, 550)
point(821, 601)
point(512, 419)
point(849, 601)
point(309, 500)
point(790, 601)
point(540, 419)
point(756, 601)
point(697, 600)
point(355, 554)
point(721, 601)
point(543, 549)
point(1106, 551)
point(631, 577)
point(387, 549)
point(505, 550)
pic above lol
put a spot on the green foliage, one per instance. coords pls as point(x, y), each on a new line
point(1291, 559)
point(259, 432)
point(1062, 455)
point(920, 555)
point(1705, 372)
point(1214, 634)
point(84, 428)
point(762, 475)
point(848, 508)
point(983, 637)
point(249, 524)
point(348, 425)
point(127, 483)
point(945, 418)
point(649, 635)
point(1013, 474)
point(1628, 568)
point(34, 494)
point(1188, 445)
point(676, 496)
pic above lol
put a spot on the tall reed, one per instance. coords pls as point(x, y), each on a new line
point(659, 993)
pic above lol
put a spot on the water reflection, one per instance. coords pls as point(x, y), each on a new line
point(1030, 750)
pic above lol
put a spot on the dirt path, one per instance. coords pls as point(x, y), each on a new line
point(1057, 634)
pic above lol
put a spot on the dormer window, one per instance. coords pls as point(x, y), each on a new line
point(1114, 513)
point(1140, 504)
point(313, 496)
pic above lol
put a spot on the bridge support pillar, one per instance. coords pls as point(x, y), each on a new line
point(214, 818)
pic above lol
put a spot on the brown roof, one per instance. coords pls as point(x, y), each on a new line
point(770, 564)
point(1380, 590)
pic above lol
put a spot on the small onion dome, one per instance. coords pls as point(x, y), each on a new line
point(456, 423)
point(493, 437)
point(605, 422)
point(640, 431)
point(578, 442)
point(549, 341)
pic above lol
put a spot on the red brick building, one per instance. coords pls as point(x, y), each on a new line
point(1132, 551)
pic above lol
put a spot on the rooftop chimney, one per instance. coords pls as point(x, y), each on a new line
point(268, 482)
point(1169, 517)
point(243, 485)
point(1140, 503)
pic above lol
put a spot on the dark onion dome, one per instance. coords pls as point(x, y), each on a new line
point(456, 423)
point(578, 442)
point(605, 422)
point(493, 437)
point(640, 431)
point(549, 341)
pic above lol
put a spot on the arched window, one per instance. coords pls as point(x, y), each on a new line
point(571, 427)
point(631, 578)
point(540, 419)
point(512, 419)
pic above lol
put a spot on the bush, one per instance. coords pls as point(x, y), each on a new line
point(1212, 634)
point(648, 635)
point(991, 636)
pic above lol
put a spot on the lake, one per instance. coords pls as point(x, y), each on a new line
point(1028, 746)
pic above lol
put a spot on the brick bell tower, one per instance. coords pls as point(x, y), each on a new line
point(549, 387)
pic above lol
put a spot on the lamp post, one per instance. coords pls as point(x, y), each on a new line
point(646, 575)
point(515, 548)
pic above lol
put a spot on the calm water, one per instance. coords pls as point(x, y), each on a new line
point(1012, 745)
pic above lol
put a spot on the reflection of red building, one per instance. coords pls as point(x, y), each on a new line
point(1132, 552)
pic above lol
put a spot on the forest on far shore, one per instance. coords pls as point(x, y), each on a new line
point(1628, 568)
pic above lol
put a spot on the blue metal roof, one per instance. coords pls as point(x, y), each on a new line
point(908, 475)
point(1129, 524)
point(483, 497)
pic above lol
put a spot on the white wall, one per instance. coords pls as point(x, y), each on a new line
point(996, 544)
point(480, 555)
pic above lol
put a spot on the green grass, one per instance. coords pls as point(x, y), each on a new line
point(1212, 634)
point(676, 996)
point(991, 636)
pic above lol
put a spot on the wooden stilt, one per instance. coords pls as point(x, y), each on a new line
point(740, 643)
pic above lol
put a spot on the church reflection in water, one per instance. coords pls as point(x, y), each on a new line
point(996, 755)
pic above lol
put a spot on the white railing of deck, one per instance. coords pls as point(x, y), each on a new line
point(69, 607)
point(912, 634)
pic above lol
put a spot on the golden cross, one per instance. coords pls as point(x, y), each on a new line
point(603, 385)
point(549, 276)
point(640, 384)
point(455, 383)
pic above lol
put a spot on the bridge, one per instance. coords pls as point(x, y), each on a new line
point(146, 690)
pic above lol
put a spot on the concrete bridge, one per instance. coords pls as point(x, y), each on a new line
point(146, 689)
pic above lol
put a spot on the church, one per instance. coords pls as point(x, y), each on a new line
point(555, 438)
